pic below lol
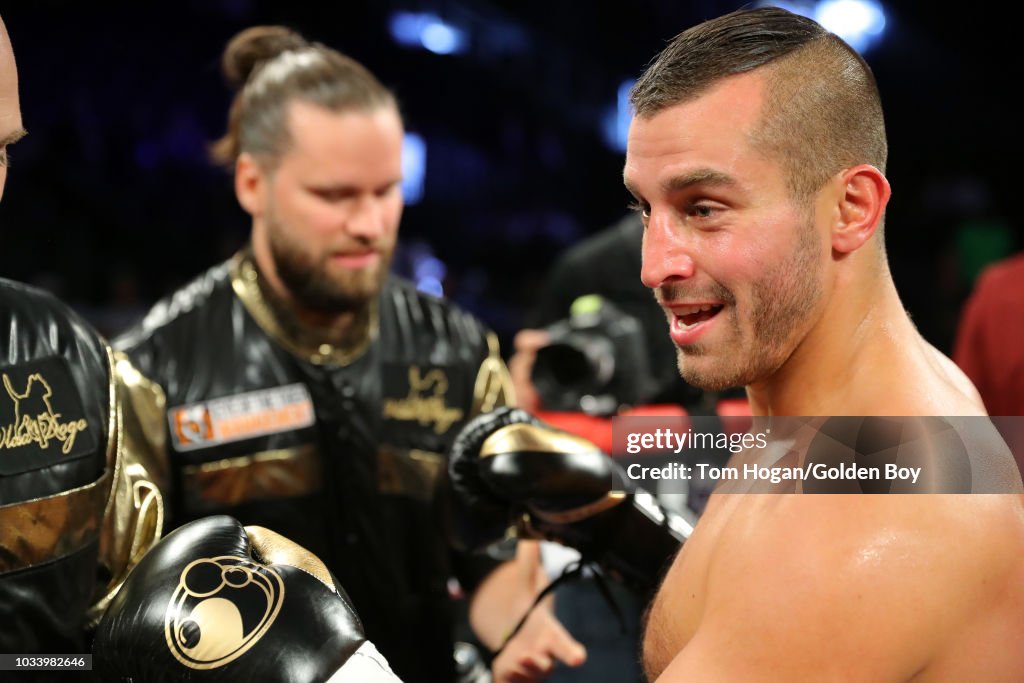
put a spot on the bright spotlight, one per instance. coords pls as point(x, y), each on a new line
point(422, 29)
point(859, 22)
point(414, 167)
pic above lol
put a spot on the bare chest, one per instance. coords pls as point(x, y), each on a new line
point(682, 598)
point(727, 525)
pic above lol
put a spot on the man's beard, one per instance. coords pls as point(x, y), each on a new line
point(311, 282)
point(780, 303)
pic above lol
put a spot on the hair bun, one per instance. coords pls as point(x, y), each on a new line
point(252, 47)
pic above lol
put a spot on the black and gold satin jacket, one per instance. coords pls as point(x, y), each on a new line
point(79, 498)
point(340, 450)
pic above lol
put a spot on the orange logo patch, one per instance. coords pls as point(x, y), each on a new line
point(242, 416)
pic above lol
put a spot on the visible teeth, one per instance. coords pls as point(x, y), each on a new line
point(690, 310)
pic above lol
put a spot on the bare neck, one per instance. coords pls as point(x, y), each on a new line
point(861, 343)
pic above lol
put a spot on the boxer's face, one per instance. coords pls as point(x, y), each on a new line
point(10, 109)
point(333, 205)
point(723, 234)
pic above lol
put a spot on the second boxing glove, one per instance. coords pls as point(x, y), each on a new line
point(510, 469)
point(216, 601)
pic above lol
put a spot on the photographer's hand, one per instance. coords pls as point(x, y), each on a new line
point(520, 366)
point(531, 653)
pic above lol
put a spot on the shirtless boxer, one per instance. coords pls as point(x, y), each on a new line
point(757, 160)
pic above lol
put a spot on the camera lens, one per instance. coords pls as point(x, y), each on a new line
point(580, 364)
point(564, 364)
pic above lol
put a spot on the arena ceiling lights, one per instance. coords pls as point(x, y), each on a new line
point(860, 23)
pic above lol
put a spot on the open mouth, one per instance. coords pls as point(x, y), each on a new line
point(689, 317)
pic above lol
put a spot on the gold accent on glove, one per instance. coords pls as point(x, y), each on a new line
point(273, 548)
point(524, 437)
point(611, 499)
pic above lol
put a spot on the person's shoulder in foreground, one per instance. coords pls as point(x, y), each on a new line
point(78, 505)
point(757, 159)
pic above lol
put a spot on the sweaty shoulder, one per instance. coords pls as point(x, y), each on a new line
point(923, 454)
point(858, 587)
point(963, 395)
point(922, 382)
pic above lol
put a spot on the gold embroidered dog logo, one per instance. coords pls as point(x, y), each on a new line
point(35, 420)
point(221, 608)
point(425, 401)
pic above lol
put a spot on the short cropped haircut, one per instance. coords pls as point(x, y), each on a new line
point(822, 112)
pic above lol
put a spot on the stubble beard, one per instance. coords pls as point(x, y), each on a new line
point(780, 303)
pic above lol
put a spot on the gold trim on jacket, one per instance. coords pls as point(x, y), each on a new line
point(133, 517)
point(268, 475)
point(493, 386)
point(245, 281)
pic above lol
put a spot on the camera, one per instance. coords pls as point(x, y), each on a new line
point(595, 362)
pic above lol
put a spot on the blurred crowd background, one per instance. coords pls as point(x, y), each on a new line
point(516, 116)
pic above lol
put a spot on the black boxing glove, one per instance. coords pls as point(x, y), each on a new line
point(216, 601)
point(510, 469)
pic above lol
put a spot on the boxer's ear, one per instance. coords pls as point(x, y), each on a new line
point(862, 195)
point(251, 184)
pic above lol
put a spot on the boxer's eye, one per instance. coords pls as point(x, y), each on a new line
point(643, 208)
point(702, 211)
